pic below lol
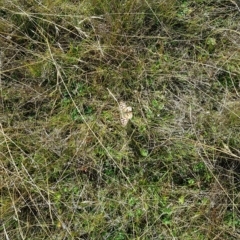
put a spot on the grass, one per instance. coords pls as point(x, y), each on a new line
point(69, 170)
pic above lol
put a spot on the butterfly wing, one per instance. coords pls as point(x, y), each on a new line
point(122, 106)
point(124, 121)
point(125, 113)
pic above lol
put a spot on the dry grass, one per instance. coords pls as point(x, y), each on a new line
point(69, 169)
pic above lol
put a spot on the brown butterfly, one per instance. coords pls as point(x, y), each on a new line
point(125, 113)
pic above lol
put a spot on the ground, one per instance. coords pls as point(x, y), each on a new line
point(70, 169)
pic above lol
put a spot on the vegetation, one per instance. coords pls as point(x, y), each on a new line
point(69, 169)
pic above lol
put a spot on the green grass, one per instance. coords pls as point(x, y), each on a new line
point(69, 169)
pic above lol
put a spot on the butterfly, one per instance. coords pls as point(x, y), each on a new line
point(125, 113)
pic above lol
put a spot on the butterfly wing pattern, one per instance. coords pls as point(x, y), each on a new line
point(125, 113)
